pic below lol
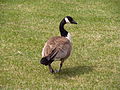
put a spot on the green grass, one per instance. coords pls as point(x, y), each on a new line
point(25, 25)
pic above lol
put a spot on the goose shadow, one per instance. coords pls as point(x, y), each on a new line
point(73, 71)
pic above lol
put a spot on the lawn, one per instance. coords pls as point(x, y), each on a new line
point(25, 25)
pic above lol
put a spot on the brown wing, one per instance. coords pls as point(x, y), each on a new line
point(62, 46)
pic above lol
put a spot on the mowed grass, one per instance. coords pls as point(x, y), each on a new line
point(25, 25)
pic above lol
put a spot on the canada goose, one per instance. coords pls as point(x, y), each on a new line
point(58, 47)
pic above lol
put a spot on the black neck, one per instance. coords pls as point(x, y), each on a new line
point(63, 32)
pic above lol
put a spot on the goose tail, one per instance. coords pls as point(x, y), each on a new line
point(49, 59)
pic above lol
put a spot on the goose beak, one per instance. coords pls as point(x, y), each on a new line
point(74, 22)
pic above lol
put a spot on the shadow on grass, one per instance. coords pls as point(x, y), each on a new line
point(73, 71)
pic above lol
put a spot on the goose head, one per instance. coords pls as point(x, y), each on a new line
point(66, 20)
point(70, 20)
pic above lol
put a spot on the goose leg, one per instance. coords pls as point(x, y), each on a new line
point(50, 68)
point(61, 64)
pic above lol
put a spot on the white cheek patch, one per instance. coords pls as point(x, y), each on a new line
point(67, 21)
